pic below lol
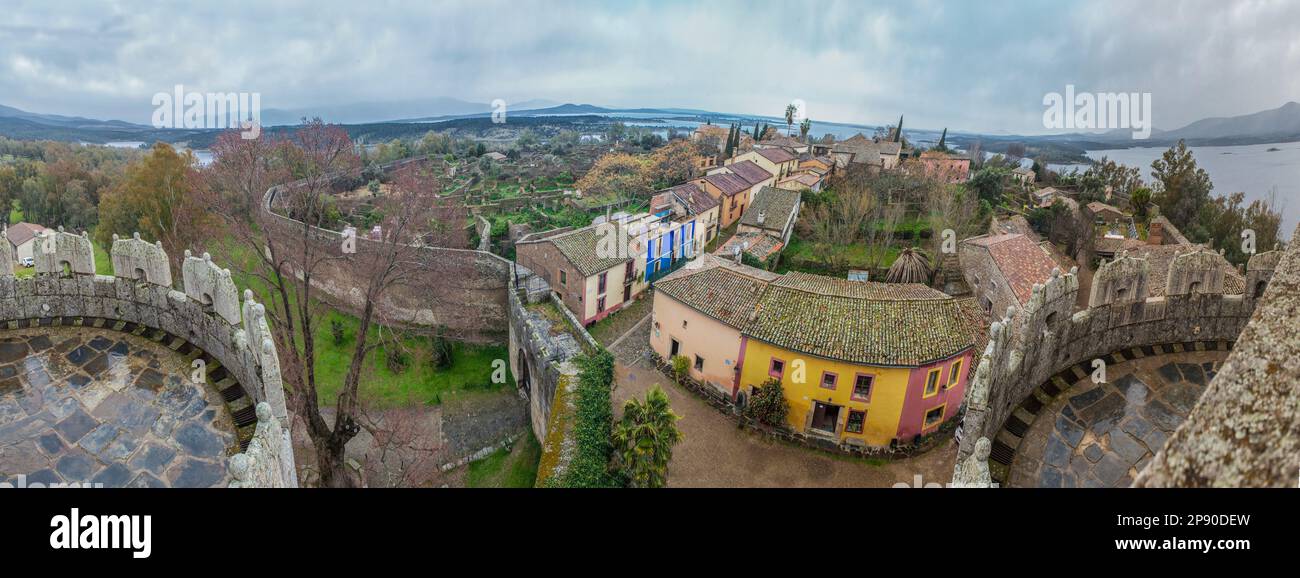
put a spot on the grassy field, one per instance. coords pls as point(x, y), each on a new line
point(513, 468)
point(808, 257)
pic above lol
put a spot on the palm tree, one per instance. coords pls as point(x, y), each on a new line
point(911, 266)
point(804, 127)
point(790, 111)
point(645, 438)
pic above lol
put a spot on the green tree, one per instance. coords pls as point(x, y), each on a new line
point(768, 404)
point(943, 139)
point(1139, 201)
point(988, 182)
point(644, 439)
point(790, 111)
point(1183, 188)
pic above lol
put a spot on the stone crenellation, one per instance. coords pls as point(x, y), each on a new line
point(1047, 337)
point(139, 294)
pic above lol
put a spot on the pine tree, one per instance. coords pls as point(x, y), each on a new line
point(898, 132)
point(731, 142)
point(943, 137)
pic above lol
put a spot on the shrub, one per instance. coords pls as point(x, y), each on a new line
point(680, 367)
point(397, 359)
point(336, 330)
point(768, 404)
point(441, 349)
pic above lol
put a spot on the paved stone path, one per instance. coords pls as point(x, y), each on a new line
point(86, 405)
point(715, 453)
point(1102, 435)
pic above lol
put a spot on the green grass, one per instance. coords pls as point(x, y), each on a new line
point(807, 256)
point(103, 262)
point(513, 468)
point(15, 214)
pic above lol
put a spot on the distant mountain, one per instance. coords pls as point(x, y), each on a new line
point(1283, 121)
point(393, 111)
point(54, 120)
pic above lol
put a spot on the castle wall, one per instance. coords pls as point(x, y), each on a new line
point(76, 295)
point(1046, 337)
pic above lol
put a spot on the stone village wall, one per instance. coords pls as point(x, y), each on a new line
point(206, 313)
point(464, 290)
point(1045, 338)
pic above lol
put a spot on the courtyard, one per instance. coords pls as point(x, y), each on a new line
point(1101, 435)
point(85, 405)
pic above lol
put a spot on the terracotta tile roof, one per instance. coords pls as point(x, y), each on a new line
point(1021, 262)
point(776, 155)
point(889, 148)
point(696, 200)
point(750, 171)
point(861, 322)
point(715, 287)
point(1100, 207)
point(1159, 257)
point(579, 247)
point(777, 205)
point(760, 246)
point(20, 233)
point(728, 183)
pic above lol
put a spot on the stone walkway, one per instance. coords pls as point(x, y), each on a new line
point(86, 405)
point(715, 453)
point(1102, 435)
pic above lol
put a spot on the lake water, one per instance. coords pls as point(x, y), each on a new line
point(1251, 169)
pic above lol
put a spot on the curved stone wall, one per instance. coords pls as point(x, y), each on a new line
point(463, 289)
point(1046, 338)
point(207, 314)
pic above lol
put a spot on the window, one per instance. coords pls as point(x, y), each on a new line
point(855, 422)
point(829, 379)
point(600, 304)
point(933, 417)
point(862, 387)
point(954, 374)
point(931, 383)
point(674, 348)
point(776, 368)
point(699, 363)
point(600, 283)
point(627, 272)
point(564, 278)
point(683, 324)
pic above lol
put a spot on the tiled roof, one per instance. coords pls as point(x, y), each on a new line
point(20, 233)
point(776, 155)
point(861, 322)
point(889, 148)
point(1098, 207)
point(579, 247)
point(696, 200)
point(750, 171)
point(728, 183)
point(1021, 262)
point(715, 287)
point(760, 246)
point(777, 205)
point(1159, 257)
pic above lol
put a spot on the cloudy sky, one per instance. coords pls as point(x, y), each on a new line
point(971, 66)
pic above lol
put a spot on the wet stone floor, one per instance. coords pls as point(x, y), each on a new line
point(84, 405)
point(1102, 435)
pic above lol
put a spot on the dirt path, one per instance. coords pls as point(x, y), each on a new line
point(715, 453)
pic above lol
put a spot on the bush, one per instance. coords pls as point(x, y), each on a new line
point(768, 404)
point(397, 359)
point(680, 367)
point(441, 349)
point(336, 330)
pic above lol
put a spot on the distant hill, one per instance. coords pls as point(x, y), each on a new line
point(1283, 121)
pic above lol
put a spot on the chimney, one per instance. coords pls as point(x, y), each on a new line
point(1155, 233)
point(762, 216)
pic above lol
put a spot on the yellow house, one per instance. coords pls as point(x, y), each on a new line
point(777, 161)
point(860, 363)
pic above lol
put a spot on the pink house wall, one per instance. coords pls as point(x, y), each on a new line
point(914, 407)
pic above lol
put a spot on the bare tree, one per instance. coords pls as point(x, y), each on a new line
point(288, 257)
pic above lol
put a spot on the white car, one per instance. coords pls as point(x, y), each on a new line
point(27, 262)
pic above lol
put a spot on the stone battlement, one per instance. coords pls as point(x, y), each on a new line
point(1047, 338)
point(206, 313)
